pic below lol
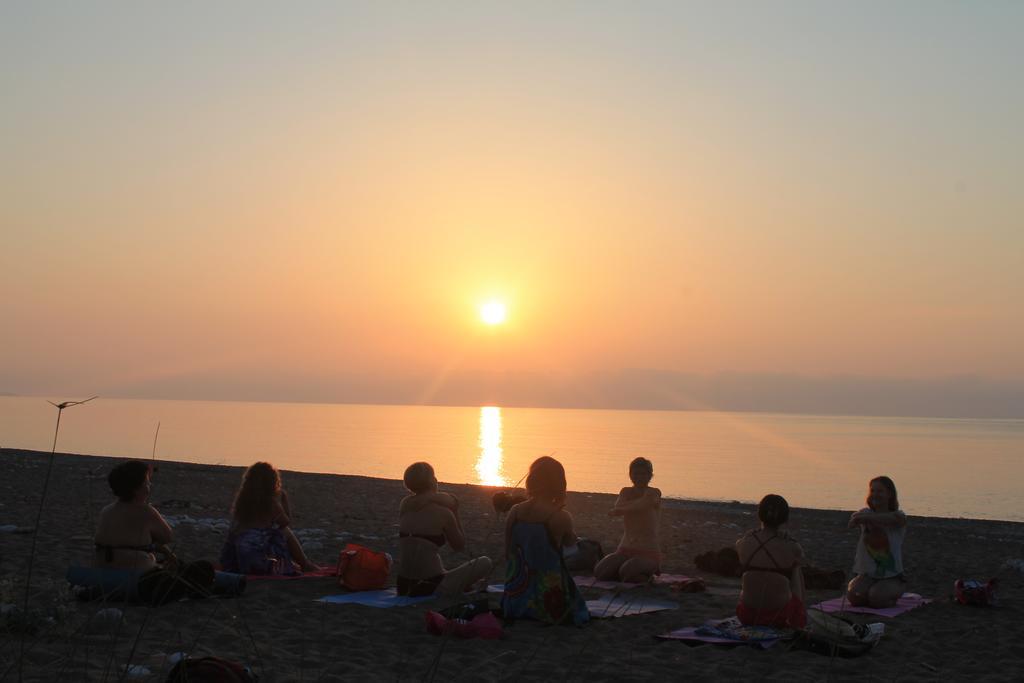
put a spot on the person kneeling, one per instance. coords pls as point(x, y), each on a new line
point(638, 556)
point(772, 591)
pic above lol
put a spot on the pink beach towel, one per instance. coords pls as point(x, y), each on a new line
point(907, 602)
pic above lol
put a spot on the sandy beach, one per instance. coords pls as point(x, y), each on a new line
point(278, 629)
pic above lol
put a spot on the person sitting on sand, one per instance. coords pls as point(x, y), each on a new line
point(131, 534)
point(878, 566)
point(772, 592)
point(638, 556)
point(537, 583)
point(260, 540)
point(130, 531)
point(427, 520)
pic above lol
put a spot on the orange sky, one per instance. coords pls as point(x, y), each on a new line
point(337, 191)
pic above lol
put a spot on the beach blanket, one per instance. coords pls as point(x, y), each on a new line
point(593, 582)
point(680, 582)
point(907, 602)
point(676, 581)
point(730, 632)
point(331, 571)
point(382, 599)
point(615, 606)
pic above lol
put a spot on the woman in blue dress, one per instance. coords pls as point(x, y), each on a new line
point(537, 583)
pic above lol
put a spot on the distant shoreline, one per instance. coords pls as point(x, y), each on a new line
point(477, 406)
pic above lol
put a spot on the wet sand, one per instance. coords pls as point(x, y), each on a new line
point(279, 630)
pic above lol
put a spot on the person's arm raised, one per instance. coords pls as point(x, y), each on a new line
point(651, 498)
point(414, 503)
point(159, 530)
point(453, 532)
point(866, 516)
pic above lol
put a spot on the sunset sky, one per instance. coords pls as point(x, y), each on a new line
point(311, 201)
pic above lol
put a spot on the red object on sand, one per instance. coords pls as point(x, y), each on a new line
point(484, 626)
point(976, 593)
point(363, 569)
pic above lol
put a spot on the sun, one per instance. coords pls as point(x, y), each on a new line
point(493, 312)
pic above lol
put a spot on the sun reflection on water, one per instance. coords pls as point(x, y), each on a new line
point(489, 467)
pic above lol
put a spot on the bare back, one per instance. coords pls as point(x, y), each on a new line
point(124, 530)
point(422, 533)
point(772, 563)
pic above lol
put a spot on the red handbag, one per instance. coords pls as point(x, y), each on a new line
point(363, 569)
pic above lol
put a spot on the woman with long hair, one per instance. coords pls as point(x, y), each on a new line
point(261, 540)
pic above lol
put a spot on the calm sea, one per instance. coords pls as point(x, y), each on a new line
point(943, 467)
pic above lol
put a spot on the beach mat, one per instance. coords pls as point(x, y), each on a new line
point(671, 580)
point(679, 581)
point(382, 599)
point(730, 632)
point(615, 606)
point(122, 584)
point(318, 574)
point(593, 582)
point(907, 602)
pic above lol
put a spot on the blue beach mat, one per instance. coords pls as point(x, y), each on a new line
point(122, 584)
point(382, 599)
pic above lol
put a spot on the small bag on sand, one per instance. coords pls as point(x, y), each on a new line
point(362, 569)
point(832, 635)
